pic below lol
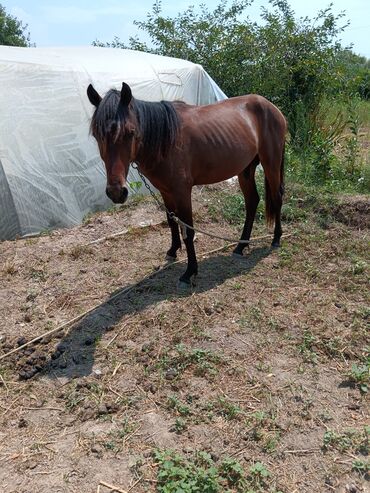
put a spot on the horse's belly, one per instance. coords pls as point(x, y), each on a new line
point(213, 169)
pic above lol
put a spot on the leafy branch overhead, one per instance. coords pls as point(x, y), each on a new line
point(298, 63)
point(12, 31)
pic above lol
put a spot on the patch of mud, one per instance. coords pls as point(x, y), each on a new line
point(353, 211)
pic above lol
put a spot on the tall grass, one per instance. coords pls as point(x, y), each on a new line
point(335, 150)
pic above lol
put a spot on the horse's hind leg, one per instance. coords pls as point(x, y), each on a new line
point(248, 186)
point(274, 190)
point(184, 213)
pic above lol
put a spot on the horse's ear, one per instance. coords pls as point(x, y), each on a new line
point(93, 96)
point(126, 94)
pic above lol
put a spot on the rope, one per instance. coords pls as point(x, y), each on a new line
point(122, 291)
point(213, 235)
point(127, 290)
point(185, 225)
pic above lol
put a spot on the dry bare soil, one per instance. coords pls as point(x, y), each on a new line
point(256, 381)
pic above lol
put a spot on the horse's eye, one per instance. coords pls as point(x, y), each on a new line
point(113, 127)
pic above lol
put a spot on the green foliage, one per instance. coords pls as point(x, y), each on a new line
point(12, 31)
point(307, 347)
point(125, 428)
point(176, 474)
point(360, 375)
point(179, 359)
point(288, 60)
point(353, 440)
point(181, 408)
point(200, 474)
point(354, 74)
point(180, 425)
point(338, 441)
point(297, 63)
point(225, 408)
point(135, 185)
point(361, 466)
point(259, 471)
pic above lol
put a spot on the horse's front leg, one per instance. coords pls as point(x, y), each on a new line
point(175, 239)
point(179, 202)
point(170, 204)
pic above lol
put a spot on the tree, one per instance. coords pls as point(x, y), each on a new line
point(297, 64)
point(12, 31)
point(291, 61)
point(355, 73)
point(220, 41)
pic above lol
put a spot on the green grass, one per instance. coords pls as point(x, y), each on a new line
point(304, 202)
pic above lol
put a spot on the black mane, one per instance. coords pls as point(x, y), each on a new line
point(157, 124)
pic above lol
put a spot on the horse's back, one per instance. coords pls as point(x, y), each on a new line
point(252, 106)
point(221, 139)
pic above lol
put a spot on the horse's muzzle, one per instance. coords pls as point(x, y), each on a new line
point(117, 195)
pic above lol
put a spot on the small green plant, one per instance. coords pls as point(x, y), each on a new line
point(181, 358)
point(258, 473)
point(73, 399)
point(233, 472)
point(135, 185)
point(175, 404)
point(126, 427)
point(39, 275)
point(225, 408)
point(198, 474)
point(110, 445)
point(177, 474)
point(361, 466)
point(360, 374)
point(355, 440)
point(336, 440)
point(306, 348)
point(180, 425)
point(262, 428)
point(358, 267)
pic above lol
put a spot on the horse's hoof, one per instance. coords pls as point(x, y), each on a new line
point(275, 244)
point(184, 287)
point(169, 258)
point(238, 255)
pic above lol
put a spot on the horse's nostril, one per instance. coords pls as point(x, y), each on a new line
point(116, 194)
point(108, 191)
point(124, 194)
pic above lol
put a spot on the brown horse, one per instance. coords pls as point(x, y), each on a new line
point(177, 146)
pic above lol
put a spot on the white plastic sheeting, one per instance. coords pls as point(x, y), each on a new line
point(51, 174)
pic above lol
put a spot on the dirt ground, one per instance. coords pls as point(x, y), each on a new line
point(263, 362)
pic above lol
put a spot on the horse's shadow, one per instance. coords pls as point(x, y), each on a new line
point(74, 354)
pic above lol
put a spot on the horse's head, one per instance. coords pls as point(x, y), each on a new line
point(114, 127)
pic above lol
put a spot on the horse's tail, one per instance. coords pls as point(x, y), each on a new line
point(274, 190)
